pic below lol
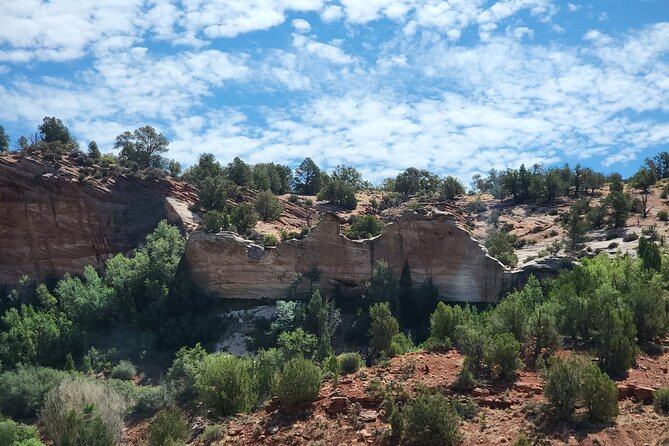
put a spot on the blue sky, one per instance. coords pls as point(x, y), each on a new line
point(455, 86)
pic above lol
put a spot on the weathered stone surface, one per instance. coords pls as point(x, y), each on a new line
point(50, 223)
point(338, 404)
point(434, 246)
point(644, 393)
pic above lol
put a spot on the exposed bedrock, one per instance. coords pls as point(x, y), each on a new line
point(50, 223)
point(433, 244)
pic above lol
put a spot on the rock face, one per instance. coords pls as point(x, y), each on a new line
point(50, 223)
point(433, 245)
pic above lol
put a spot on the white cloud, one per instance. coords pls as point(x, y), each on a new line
point(301, 26)
point(332, 53)
point(61, 30)
point(332, 13)
point(572, 7)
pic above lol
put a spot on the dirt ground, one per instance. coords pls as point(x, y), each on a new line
point(351, 412)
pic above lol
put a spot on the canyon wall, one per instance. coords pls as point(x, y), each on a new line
point(51, 223)
point(433, 244)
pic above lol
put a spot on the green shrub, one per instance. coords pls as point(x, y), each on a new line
point(430, 420)
point(522, 440)
point(563, 386)
point(437, 345)
point(364, 226)
point(169, 424)
point(383, 329)
point(216, 221)
point(83, 412)
point(212, 433)
point(400, 345)
point(124, 370)
point(243, 218)
point(224, 384)
point(578, 381)
point(477, 206)
point(180, 379)
point(16, 434)
point(661, 400)
point(269, 240)
point(297, 343)
point(331, 367)
point(266, 364)
point(665, 192)
point(599, 394)
point(500, 246)
point(350, 362)
point(267, 206)
point(663, 215)
point(24, 389)
point(503, 355)
point(442, 322)
point(299, 382)
point(465, 380)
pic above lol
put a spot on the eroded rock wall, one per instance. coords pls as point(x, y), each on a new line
point(50, 223)
point(434, 245)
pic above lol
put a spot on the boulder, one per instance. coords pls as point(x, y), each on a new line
point(644, 394)
point(338, 404)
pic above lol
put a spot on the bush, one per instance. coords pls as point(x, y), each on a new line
point(266, 364)
point(382, 330)
point(661, 400)
point(331, 367)
point(364, 226)
point(269, 240)
point(267, 206)
point(181, 376)
point(169, 425)
point(124, 370)
point(350, 362)
point(216, 221)
point(297, 343)
point(430, 420)
point(16, 434)
point(224, 384)
point(663, 215)
point(465, 380)
point(442, 322)
point(503, 355)
point(562, 388)
point(83, 412)
point(522, 440)
point(500, 246)
point(299, 382)
point(243, 218)
point(575, 381)
point(212, 433)
point(400, 345)
point(24, 389)
point(599, 394)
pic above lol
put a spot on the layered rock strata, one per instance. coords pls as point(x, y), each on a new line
point(433, 245)
point(52, 223)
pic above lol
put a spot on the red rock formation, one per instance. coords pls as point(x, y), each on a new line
point(51, 223)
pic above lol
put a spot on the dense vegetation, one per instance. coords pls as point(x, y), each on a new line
point(70, 350)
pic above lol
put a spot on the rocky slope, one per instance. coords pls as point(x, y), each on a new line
point(52, 223)
point(433, 245)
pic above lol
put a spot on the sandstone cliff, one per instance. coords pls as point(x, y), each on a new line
point(51, 223)
point(433, 244)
